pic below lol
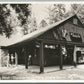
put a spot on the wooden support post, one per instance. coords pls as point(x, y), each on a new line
point(0, 57)
point(9, 58)
point(74, 57)
point(61, 57)
point(26, 62)
point(16, 58)
point(61, 62)
point(41, 57)
point(26, 58)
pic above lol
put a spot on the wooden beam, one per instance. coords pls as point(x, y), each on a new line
point(53, 41)
point(41, 57)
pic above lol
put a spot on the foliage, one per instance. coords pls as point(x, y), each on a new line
point(79, 10)
point(7, 19)
point(33, 25)
point(4, 13)
point(43, 23)
point(75, 8)
point(81, 14)
point(56, 12)
point(23, 11)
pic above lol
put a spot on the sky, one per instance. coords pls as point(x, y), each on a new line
point(40, 11)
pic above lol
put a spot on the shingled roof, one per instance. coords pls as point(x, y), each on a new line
point(31, 36)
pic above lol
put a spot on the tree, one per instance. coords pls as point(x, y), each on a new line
point(23, 11)
point(81, 13)
point(56, 12)
point(6, 18)
point(4, 26)
point(43, 23)
point(75, 8)
point(79, 10)
point(33, 24)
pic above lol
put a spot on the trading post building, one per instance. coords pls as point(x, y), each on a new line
point(61, 43)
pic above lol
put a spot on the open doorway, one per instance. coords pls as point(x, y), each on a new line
point(80, 57)
point(69, 57)
point(21, 57)
point(51, 54)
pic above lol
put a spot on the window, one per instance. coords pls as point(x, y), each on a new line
point(75, 37)
point(50, 46)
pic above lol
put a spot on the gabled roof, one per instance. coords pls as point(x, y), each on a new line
point(36, 33)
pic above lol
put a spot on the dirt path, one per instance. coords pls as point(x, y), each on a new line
point(51, 73)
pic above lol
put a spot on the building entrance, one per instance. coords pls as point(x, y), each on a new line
point(80, 57)
point(68, 59)
point(51, 55)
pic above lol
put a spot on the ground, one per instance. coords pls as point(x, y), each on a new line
point(50, 73)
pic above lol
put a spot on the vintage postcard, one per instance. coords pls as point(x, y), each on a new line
point(42, 41)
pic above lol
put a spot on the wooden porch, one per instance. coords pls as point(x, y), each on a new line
point(28, 48)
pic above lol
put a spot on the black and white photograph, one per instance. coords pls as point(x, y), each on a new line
point(42, 41)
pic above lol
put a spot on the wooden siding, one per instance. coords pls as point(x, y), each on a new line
point(75, 29)
point(69, 26)
point(47, 35)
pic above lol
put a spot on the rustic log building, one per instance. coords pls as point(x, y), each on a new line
point(60, 44)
